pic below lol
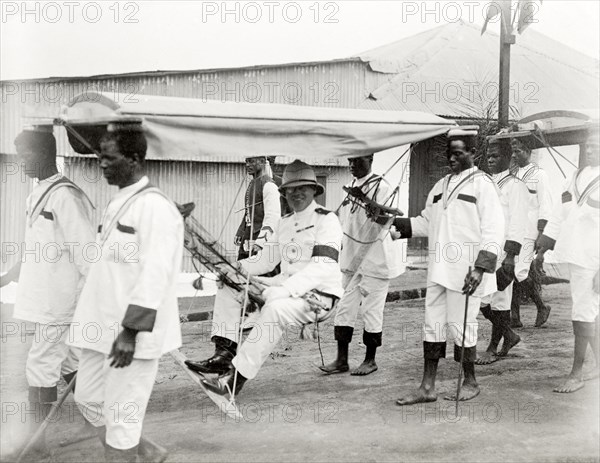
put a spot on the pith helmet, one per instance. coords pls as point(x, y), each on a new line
point(299, 173)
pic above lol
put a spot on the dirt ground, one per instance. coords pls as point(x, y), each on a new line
point(294, 413)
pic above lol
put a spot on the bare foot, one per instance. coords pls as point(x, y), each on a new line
point(487, 358)
point(468, 391)
point(570, 385)
point(335, 367)
point(508, 344)
point(542, 316)
point(365, 368)
point(417, 397)
point(516, 323)
point(84, 432)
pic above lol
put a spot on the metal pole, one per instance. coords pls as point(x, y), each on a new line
point(506, 40)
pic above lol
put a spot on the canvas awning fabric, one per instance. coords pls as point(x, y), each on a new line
point(193, 129)
point(554, 128)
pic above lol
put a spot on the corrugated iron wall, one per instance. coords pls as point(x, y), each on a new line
point(211, 185)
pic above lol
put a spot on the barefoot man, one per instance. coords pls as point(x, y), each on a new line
point(366, 281)
point(464, 222)
point(514, 198)
point(59, 219)
point(573, 234)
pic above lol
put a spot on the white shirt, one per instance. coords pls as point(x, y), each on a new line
point(361, 248)
point(541, 197)
point(137, 265)
point(53, 262)
point(514, 197)
point(462, 217)
point(298, 236)
point(575, 223)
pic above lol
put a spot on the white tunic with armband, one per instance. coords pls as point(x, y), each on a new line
point(307, 245)
point(540, 197)
point(464, 222)
point(58, 232)
point(133, 280)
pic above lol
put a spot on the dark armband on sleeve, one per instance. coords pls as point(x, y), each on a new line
point(546, 242)
point(322, 250)
point(541, 224)
point(139, 318)
point(404, 227)
point(512, 247)
point(486, 261)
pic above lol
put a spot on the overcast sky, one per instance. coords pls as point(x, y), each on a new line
point(74, 38)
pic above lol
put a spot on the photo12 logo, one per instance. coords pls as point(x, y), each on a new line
point(69, 12)
point(270, 12)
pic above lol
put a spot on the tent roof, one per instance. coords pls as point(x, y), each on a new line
point(190, 129)
point(453, 70)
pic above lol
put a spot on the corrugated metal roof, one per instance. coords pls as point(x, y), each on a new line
point(453, 70)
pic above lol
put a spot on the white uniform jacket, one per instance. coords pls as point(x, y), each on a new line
point(540, 196)
point(383, 258)
point(132, 282)
point(307, 245)
point(574, 228)
point(464, 222)
point(53, 263)
point(514, 198)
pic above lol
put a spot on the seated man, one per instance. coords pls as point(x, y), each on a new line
point(306, 243)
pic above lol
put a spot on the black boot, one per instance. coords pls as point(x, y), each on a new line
point(220, 362)
point(223, 385)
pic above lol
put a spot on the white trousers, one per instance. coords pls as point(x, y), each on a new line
point(500, 300)
point(524, 259)
point(49, 356)
point(115, 397)
point(365, 294)
point(268, 329)
point(585, 300)
point(444, 316)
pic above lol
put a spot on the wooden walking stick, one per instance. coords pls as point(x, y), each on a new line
point(462, 348)
point(47, 420)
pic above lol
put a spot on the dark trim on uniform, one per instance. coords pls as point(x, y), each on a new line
point(470, 354)
point(436, 198)
point(267, 228)
point(404, 226)
point(486, 260)
point(467, 198)
point(100, 228)
point(343, 333)
point(512, 247)
point(43, 395)
point(541, 224)
point(322, 250)
point(139, 318)
point(322, 211)
point(546, 242)
point(434, 350)
point(566, 197)
point(125, 228)
point(372, 339)
point(585, 329)
point(47, 214)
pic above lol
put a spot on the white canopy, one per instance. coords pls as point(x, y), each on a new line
point(192, 129)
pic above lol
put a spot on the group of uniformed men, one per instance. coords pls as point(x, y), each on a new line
point(342, 262)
